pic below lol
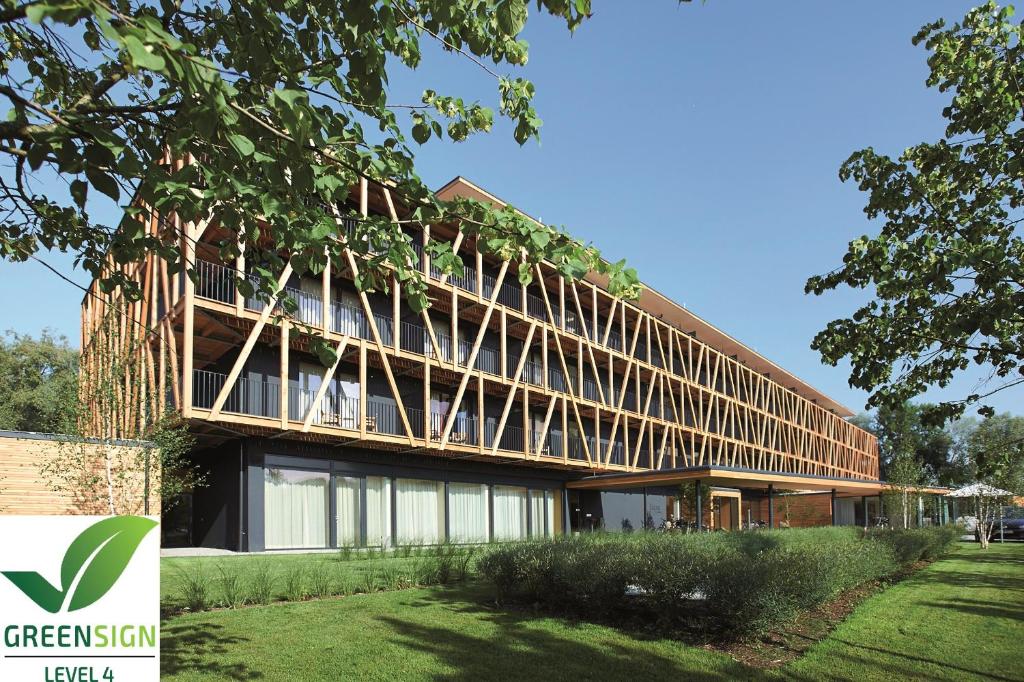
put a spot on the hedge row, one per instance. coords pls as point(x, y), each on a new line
point(736, 584)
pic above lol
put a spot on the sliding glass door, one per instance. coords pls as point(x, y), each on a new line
point(296, 509)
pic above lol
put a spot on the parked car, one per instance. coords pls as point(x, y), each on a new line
point(1013, 525)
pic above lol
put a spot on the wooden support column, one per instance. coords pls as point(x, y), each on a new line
point(504, 345)
point(240, 273)
point(325, 286)
point(188, 337)
point(283, 374)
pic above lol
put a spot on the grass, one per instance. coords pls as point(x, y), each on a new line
point(179, 574)
point(960, 618)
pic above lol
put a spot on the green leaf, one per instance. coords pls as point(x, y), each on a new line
point(79, 191)
point(96, 559)
point(242, 144)
point(116, 540)
point(142, 57)
point(511, 16)
point(541, 238)
point(421, 132)
point(103, 182)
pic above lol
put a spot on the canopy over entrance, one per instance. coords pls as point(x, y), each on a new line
point(730, 477)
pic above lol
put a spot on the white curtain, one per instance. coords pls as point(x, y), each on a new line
point(550, 495)
point(419, 509)
point(378, 511)
point(295, 509)
point(537, 513)
point(346, 490)
point(467, 510)
point(509, 513)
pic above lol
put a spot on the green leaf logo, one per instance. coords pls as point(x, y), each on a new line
point(96, 559)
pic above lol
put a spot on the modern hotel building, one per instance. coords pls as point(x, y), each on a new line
point(504, 411)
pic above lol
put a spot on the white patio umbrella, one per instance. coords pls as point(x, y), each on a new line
point(979, 490)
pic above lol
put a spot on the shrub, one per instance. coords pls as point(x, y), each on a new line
point(193, 588)
point(293, 583)
point(230, 587)
point(261, 583)
point(910, 545)
point(738, 583)
point(319, 581)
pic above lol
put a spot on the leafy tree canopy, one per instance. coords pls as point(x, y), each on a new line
point(38, 383)
point(283, 105)
point(912, 450)
point(946, 268)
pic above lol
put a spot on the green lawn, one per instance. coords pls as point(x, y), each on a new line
point(351, 572)
point(961, 618)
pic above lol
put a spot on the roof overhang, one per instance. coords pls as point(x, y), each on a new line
point(728, 477)
point(668, 310)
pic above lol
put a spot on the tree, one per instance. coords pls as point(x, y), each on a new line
point(995, 457)
point(38, 383)
point(913, 452)
point(280, 108)
point(946, 268)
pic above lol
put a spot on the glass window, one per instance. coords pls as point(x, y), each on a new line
point(295, 509)
point(378, 511)
point(419, 510)
point(346, 490)
point(467, 511)
point(509, 513)
point(537, 515)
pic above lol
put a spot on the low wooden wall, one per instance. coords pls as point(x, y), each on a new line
point(92, 476)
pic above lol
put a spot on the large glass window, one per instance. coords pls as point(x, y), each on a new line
point(509, 513)
point(346, 490)
point(296, 509)
point(537, 513)
point(468, 514)
point(378, 511)
point(419, 511)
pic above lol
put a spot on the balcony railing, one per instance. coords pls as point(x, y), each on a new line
point(256, 397)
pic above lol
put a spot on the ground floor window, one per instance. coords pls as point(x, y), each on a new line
point(309, 509)
point(378, 511)
point(419, 511)
point(347, 491)
point(509, 513)
point(296, 509)
point(468, 512)
point(542, 513)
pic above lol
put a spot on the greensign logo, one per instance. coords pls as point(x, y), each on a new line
point(92, 564)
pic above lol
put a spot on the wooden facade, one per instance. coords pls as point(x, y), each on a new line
point(558, 374)
point(27, 488)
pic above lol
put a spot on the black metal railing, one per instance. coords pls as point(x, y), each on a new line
point(255, 397)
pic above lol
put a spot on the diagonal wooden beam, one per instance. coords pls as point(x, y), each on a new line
point(325, 380)
point(250, 343)
point(512, 391)
point(539, 447)
point(589, 344)
point(622, 395)
point(471, 360)
point(372, 324)
point(565, 366)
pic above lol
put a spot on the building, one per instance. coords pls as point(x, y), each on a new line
point(505, 411)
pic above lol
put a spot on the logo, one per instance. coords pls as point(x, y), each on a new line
point(92, 564)
point(79, 599)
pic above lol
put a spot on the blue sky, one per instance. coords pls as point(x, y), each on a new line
point(700, 142)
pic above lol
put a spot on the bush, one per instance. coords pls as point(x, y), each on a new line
point(193, 588)
point(261, 584)
point(910, 545)
point(737, 584)
point(230, 586)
